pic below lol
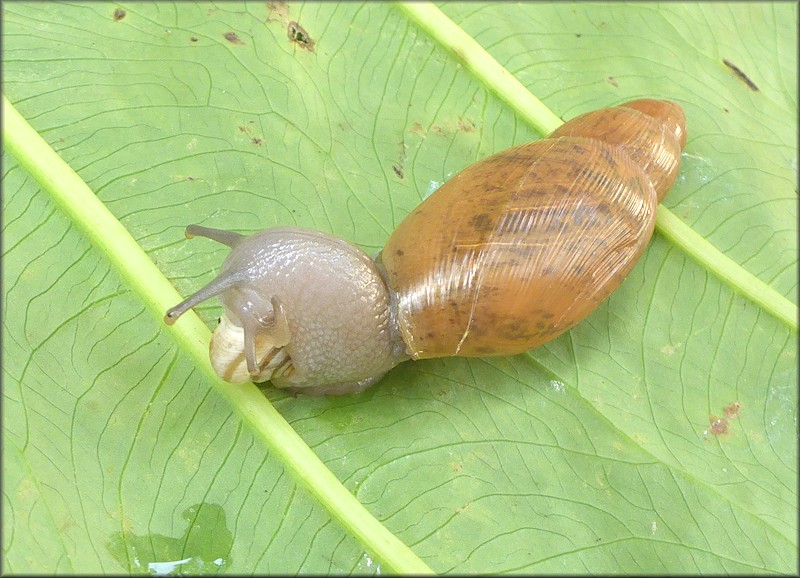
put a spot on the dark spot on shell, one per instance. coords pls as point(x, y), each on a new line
point(233, 38)
point(398, 170)
point(119, 14)
point(578, 149)
point(481, 222)
point(399, 252)
point(485, 350)
point(298, 35)
point(430, 334)
point(514, 330)
point(608, 156)
point(477, 330)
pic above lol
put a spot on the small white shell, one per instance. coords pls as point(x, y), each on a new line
point(227, 354)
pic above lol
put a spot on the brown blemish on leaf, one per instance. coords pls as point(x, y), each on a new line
point(278, 11)
point(299, 36)
point(233, 38)
point(257, 141)
point(416, 128)
point(187, 178)
point(398, 167)
point(732, 411)
point(719, 425)
point(612, 81)
point(740, 75)
point(465, 125)
point(66, 525)
point(119, 14)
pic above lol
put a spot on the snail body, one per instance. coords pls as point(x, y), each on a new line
point(508, 254)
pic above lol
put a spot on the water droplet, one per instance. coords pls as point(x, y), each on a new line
point(432, 187)
point(165, 568)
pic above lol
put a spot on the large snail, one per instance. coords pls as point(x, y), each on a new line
point(508, 254)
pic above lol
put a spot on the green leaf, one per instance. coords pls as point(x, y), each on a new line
point(594, 452)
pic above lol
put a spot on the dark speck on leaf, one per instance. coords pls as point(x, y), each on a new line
point(740, 75)
point(298, 34)
point(119, 14)
point(193, 39)
point(398, 171)
point(233, 38)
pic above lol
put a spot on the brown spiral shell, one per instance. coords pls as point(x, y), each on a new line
point(521, 246)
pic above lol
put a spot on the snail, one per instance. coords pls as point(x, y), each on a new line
point(508, 254)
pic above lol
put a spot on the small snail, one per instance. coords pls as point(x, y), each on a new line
point(508, 254)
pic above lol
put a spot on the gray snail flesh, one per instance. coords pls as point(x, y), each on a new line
point(508, 254)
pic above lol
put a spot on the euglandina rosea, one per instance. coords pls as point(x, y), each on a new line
point(507, 255)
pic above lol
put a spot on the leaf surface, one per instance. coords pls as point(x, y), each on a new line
point(602, 450)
